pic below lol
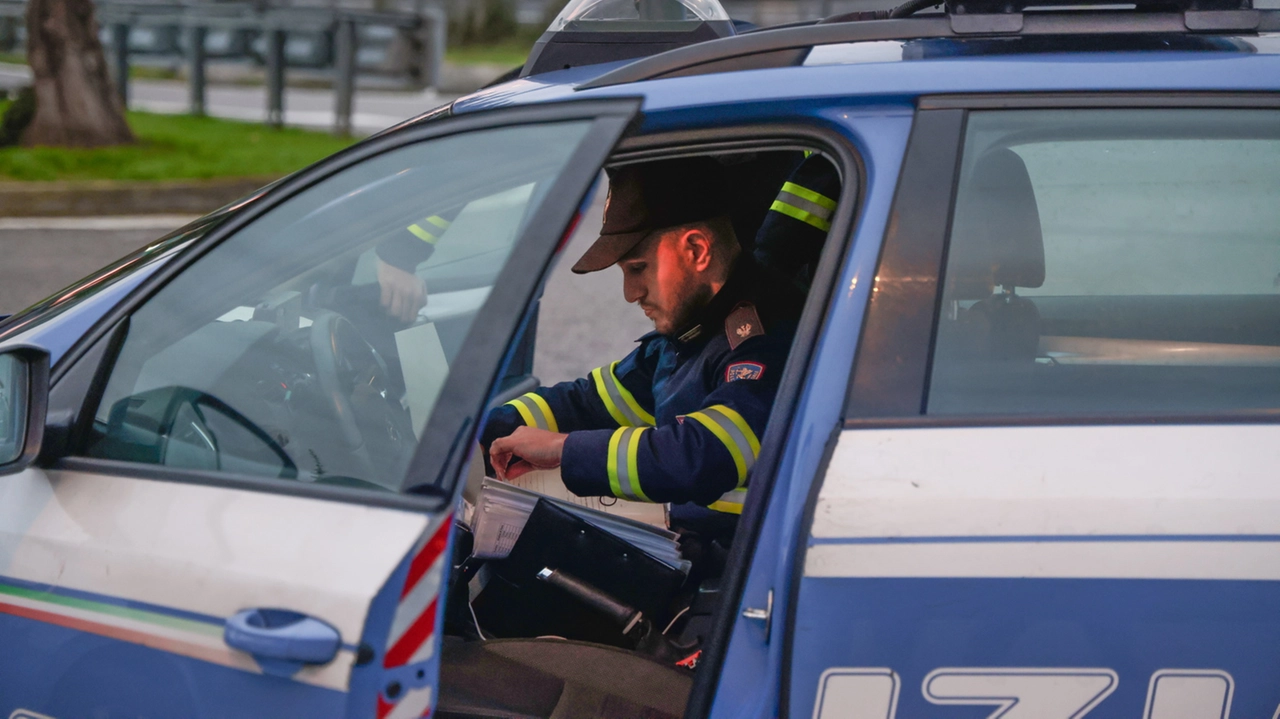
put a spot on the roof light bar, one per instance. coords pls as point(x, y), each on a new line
point(588, 32)
point(960, 7)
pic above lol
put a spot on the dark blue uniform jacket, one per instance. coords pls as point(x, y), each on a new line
point(680, 418)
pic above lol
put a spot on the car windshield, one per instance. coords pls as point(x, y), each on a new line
point(312, 344)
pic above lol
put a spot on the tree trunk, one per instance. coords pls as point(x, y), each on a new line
point(76, 105)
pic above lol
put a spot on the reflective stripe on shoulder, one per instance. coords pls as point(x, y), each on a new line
point(817, 198)
point(535, 411)
point(733, 431)
point(730, 502)
point(436, 225)
point(805, 205)
point(622, 405)
point(624, 473)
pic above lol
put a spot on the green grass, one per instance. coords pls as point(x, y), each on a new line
point(153, 72)
point(172, 147)
point(508, 52)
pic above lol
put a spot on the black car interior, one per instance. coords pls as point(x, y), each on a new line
point(611, 632)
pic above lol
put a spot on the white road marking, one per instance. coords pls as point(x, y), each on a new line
point(321, 119)
point(122, 222)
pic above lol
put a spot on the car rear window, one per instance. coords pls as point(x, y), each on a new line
point(1113, 261)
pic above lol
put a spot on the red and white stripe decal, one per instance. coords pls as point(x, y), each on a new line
point(414, 624)
point(415, 704)
point(413, 628)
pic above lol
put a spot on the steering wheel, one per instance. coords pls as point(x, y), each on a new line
point(353, 379)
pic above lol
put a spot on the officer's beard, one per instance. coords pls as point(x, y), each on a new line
point(691, 297)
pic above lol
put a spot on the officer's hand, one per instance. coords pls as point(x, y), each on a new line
point(403, 293)
point(525, 450)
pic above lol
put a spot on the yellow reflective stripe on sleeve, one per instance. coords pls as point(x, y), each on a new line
point(806, 217)
point(805, 205)
point(611, 462)
point(545, 409)
point(743, 428)
point(805, 193)
point(623, 464)
point(620, 403)
point(430, 236)
point(535, 411)
point(422, 234)
point(721, 434)
point(730, 502)
point(525, 414)
point(733, 431)
point(597, 377)
point(630, 400)
point(633, 461)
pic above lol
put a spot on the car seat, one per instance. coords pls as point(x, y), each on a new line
point(996, 242)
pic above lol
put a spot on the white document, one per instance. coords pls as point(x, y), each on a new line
point(503, 509)
point(425, 368)
point(547, 482)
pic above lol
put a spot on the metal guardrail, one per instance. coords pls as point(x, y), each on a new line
point(188, 26)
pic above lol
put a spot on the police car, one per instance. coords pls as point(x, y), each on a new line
point(1022, 464)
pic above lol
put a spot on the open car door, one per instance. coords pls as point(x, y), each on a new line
point(243, 504)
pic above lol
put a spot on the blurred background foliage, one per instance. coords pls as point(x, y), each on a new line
point(473, 22)
point(487, 31)
point(480, 32)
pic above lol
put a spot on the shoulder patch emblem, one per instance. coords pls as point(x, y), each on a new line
point(743, 370)
point(742, 324)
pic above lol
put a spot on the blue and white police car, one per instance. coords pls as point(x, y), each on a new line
point(1024, 462)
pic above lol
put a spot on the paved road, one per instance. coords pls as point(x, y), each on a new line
point(41, 256)
point(374, 109)
point(583, 322)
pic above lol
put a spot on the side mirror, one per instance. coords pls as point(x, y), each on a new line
point(24, 399)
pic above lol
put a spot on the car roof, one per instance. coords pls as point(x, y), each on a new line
point(882, 62)
point(905, 81)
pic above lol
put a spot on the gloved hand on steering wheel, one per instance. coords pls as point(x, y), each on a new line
point(403, 293)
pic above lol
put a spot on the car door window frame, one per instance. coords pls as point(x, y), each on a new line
point(890, 382)
point(81, 376)
point(841, 150)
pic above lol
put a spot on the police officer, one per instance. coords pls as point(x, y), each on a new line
point(680, 418)
point(791, 237)
point(403, 293)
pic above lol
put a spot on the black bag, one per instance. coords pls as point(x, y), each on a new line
point(515, 603)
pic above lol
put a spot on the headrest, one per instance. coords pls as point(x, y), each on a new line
point(995, 239)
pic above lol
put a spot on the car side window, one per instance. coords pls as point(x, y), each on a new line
point(1113, 261)
point(299, 348)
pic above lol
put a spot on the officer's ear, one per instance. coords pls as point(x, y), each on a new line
point(698, 247)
